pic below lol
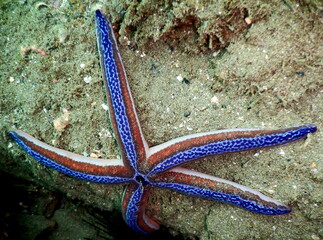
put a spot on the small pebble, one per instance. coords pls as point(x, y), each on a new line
point(248, 20)
point(61, 122)
point(179, 78)
point(186, 81)
point(301, 74)
point(87, 79)
point(93, 155)
point(104, 106)
point(215, 100)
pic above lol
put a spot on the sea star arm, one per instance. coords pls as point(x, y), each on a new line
point(86, 168)
point(191, 147)
point(133, 209)
point(123, 116)
point(203, 185)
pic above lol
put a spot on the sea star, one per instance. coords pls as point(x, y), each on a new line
point(142, 167)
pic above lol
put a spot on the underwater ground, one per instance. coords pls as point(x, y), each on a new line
point(193, 66)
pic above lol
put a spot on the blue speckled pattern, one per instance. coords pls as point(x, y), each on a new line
point(223, 197)
point(114, 86)
point(50, 163)
point(131, 216)
point(234, 145)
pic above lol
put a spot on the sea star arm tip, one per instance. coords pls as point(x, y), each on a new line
point(194, 146)
point(122, 111)
point(134, 209)
point(206, 186)
point(75, 165)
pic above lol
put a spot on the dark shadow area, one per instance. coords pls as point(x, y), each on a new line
point(32, 212)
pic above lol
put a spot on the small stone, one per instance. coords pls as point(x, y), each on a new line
point(93, 155)
point(186, 81)
point(179, 78)
point(248, 20)
point(301, 74)
point(104, 106)
point(87, 79)
point(61, 122)
point(215, 100)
